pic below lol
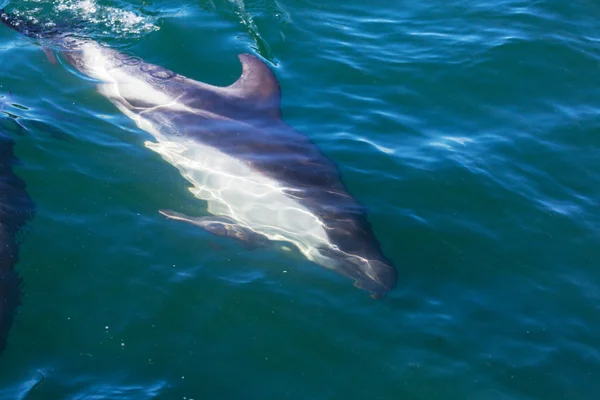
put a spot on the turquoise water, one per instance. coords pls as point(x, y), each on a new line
point(470, 130)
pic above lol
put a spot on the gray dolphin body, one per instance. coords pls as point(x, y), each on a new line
point(262, 180)
point(15, 210)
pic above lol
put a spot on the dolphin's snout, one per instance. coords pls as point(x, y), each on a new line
point(384, 273)
point(372, 275)
point(377, 278)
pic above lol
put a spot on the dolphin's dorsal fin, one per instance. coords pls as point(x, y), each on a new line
point(258, 86)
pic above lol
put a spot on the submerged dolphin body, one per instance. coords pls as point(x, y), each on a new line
point(15, 211)
point(262, 180)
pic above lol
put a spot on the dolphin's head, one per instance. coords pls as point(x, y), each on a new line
point(375, 274)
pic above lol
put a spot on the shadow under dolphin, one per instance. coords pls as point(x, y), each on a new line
point(262, 180)
point(16, 209)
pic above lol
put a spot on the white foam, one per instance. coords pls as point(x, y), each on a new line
point(83, 6)
point(120, 19)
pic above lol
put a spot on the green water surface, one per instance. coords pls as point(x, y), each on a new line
point(470, 131)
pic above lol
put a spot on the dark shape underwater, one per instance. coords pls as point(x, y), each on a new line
point(262, 180)
point(16, 209)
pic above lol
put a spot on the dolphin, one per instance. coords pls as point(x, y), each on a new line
point(15, 211)
point(262, 181)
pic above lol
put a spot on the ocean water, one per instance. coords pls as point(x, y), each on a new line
point(470, 131)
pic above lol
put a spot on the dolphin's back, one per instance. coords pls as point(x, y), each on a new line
point(243, 123)
point(242, 120)
point(231, 144)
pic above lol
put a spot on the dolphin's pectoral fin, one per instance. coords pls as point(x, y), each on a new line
point(222, 226)
point(257, 87)
point(50, 55)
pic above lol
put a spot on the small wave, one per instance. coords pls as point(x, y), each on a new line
point(252, 15)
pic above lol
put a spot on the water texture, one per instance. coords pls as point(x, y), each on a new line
point(470, 131)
